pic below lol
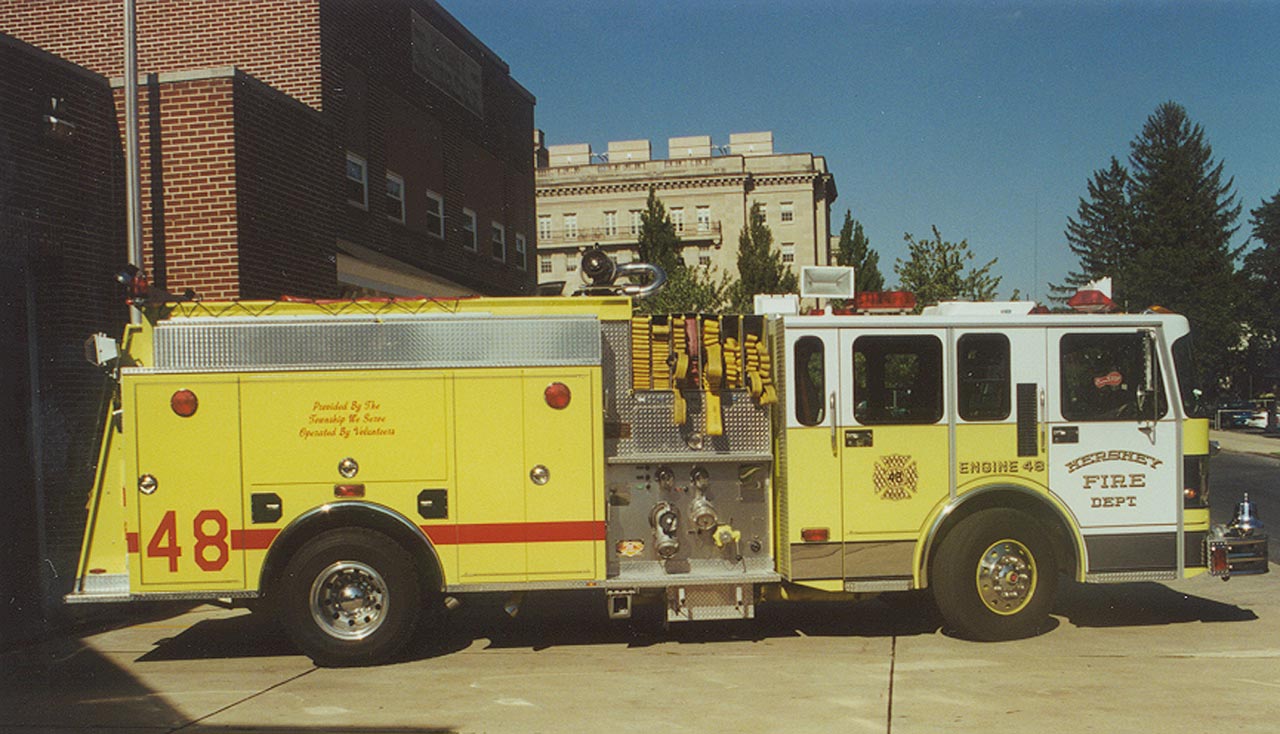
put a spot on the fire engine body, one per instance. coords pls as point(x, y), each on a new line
point(351, 464)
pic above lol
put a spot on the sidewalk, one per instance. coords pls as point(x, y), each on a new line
point(1248, 441)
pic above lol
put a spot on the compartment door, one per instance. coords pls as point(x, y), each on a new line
point(564, 536)
point(186, 524)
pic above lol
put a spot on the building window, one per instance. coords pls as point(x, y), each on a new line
point(788, 253)
point(610, 224)
point(677, 219)
point(571, 263)
point(521, 252)
point(704, 257)
point(636, 221)
point(469, 233)
point(499, 242)
point(704, 219)
point(544, 227)
point(435, 214)
point(544, 264)
point(763, 208)
point(570, 226)
point(357, 181)
point(395, 197)
point(788, 214)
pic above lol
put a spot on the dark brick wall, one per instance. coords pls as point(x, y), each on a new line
point(61, 240)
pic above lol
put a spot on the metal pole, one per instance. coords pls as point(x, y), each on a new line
point(133, 165)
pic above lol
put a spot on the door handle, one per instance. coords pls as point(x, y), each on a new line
point(1066, 434)
point(831, 413)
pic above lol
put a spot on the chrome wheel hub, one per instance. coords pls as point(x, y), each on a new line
point(349, 600)
point(1006, 577)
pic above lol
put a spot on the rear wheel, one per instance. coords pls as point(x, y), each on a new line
point(995, 576)
point(350, 597)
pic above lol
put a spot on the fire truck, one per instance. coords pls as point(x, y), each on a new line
point(358, 466)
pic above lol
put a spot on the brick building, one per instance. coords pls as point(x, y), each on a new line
point(315, 147)
point(61, 239)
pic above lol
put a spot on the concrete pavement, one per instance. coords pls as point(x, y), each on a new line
point(1248, 441)
point(1132, 657)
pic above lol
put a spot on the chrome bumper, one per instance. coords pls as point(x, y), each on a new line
point(1240, 547)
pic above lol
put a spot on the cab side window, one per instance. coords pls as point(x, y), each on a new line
point(1102, 377)
point(982, 364)
point(809, 380)
point(897, 379)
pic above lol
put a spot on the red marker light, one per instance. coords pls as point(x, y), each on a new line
point(815, 535)
point(557, 395)
point(184, 403)
point(348, 491)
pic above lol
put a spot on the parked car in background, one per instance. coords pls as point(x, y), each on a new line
point(1257, 420)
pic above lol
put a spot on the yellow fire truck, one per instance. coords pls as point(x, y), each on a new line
point(352, 465)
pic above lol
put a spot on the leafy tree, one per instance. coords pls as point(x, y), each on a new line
point(658, 244)
point(938, 270)
point(1184, 216)
point(855, 249)
point(760, 267)
point(1100, 234)
point(688, 290)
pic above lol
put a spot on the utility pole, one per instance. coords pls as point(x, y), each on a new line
point(133, 165)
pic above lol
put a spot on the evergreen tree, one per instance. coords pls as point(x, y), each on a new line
point(688, 290)
point(1184, 216)
point(1261, 278)
point(1099, 235)
point(855, 249)
point(760, 267)
point(938, 270)
point(658, 243)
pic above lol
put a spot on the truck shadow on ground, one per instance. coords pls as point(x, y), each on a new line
point(556, 619)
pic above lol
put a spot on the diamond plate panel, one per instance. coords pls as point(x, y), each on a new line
point(648, 413)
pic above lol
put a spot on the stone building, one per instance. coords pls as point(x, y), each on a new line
point(587, 198)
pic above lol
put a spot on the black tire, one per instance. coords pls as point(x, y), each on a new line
point(350, 597)
point(995, 576)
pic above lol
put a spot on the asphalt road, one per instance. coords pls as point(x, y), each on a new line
point(1232, 475)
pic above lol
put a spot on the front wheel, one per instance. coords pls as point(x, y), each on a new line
point(995, 576)
point(350, 597)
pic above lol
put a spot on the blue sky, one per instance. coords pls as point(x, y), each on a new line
point(986, 119)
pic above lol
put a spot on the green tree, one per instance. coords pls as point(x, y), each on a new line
point(1261, 280)
point(938, 270)
point(1100, 234)
point(854, 249)
point(760, 267)
point(688, 290)
point(1184, 216)
point(658, 243)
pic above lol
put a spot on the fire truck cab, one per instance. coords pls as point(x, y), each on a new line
point(351, 464)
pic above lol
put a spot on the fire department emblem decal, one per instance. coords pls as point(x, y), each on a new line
point(895, 477)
